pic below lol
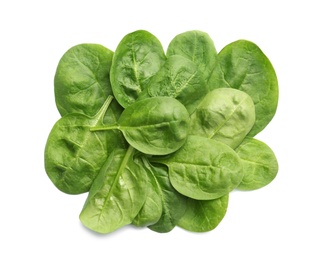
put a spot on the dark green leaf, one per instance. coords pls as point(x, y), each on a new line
point(152, 209)
point(173, 203)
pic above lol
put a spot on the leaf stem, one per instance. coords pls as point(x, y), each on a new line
point(105, 127)
point(100, 114)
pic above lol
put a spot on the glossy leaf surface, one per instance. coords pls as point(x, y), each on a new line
point(203, 168)
point(152, 209)
point(117, 194)
point(203, 215)
point(173, 203)
point(178, 78)
point(82, 79)
point(259, 164)
point(74, 155)
point(225, 115)
point(242, 65)
point(156, 126)
point(196, 46)
point(137, 58)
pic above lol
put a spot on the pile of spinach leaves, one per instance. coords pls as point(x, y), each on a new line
point(159, 139)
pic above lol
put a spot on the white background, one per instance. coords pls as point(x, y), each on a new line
point(285, 220)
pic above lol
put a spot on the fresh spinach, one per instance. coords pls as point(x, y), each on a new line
point(260, 165)
point(138, 57)
point(203, 215)
point(203, 168)
point(178, 78)
point(173, 203)
point(152, 208)
point(225, 115)
point(81, 81)
point(117, 194)
point(157, 125)
point(161, 140)
point(74, 155)
point(196, 46)
point(242, 65)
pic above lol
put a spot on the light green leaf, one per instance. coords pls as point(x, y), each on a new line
point(259, 164)
point(117, 194)
point(225, 115)
point(242, 65)
point(203, 168)
point(196, 46)
point(74, 155)
point(203, 215)
point(81, 81)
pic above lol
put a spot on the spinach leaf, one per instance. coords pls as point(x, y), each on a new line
point(81, 81)
point(160, 141)
point(178, 78)
point(117, 194)
point(138, 57)
point(196, 46)
point(225, 115)
point(203, 168)
point(173, 203)
point(156, 126)
point(152, 209)
point(259, 164)
point(242, 65)
point(74, 155)
point(203, 215)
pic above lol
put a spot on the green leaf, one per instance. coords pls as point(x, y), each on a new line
point(173, 203)
point(203, 215)
point(203, 168)
point(117, 194)
point(196, 46)
point(156, 126)
point(74, 155)
point(178, 78)
point(259, 164)
point(152, 209)
point(225, 115)
point(81, 81)
point(138, 57)
point(242, 65)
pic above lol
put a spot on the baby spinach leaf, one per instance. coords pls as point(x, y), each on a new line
point(138, 57)
point(196, 46)
point(259, 164)
point(74, 155)
point(156, 126)
point(203, 168)
point(178, 78)
point(242, 65)
point(152, 209)
point(203, 215)
point(173, 203)
point(225, 115)
point(81, 81)
point(117, 194)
